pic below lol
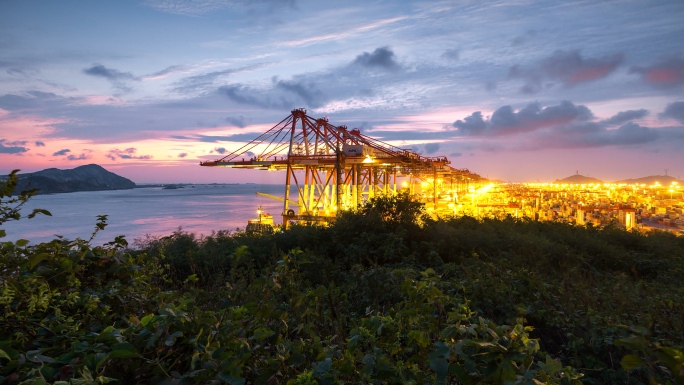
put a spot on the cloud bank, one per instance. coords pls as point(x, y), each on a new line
point(566, 67)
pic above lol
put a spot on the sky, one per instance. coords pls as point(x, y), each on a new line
point(512, 90)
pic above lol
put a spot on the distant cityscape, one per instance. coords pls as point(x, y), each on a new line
point(646, 204)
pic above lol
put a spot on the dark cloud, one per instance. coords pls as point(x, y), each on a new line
point(252, 9)
point(79, 157)
point(220, 150)
point(166, 71)
point(200, 82)
point(675, 111)
point(386, 135)
point(522, 39)
point(40, 144)
point(451, 54)
point(456, 154)
point(382, 57)
point(245, 95)
point(12, 147)
point(207, 81)
point(182, 154)
point(569, 68)
point(16, 142)
point(129, 153)
point(471, 125)
point(224, 138)
point(116, 77)
point(624, 117)
point(632, 133)
point(579, 128)
point(308, 92)
point(32, 99)
point(61, 152)
point(626, 135)
point(217, 138)
point(505, 120)
point(666, 73)
point(108, 73)
point(236, 121)
point(23, 72)
point(431, 148)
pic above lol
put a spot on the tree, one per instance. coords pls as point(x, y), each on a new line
point(10, 206)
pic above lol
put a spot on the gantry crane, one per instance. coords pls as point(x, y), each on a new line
point(341, 168)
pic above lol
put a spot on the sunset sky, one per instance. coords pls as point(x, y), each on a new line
point(512, 90)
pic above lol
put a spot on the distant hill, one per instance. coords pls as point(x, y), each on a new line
point(578, 179)
point(84, 178)
point(664, 180)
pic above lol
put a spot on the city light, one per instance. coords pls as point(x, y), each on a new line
point(630, 206)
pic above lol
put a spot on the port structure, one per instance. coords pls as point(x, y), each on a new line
point(332, 168)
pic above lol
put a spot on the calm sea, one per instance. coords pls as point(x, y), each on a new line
point(137, 212)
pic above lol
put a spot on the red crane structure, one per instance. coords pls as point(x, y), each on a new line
point(341, 168)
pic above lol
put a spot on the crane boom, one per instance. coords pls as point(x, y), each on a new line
point(274, 197)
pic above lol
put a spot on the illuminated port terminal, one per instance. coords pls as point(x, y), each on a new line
point(330, 168)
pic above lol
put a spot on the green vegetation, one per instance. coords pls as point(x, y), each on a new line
point(386, 295)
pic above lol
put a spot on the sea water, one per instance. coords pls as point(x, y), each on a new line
point(145, 211)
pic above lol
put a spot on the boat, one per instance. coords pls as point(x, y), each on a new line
point(261, 225)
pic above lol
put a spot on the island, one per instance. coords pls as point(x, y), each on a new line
point(91, 177)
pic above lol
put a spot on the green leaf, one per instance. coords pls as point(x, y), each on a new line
point(4, 355)
point(36, 259)
point(551, 366)
point(441, 368)
point(368, 363)
point(22, 242)
point(80, 346)
point(323, 367)
point(441, 350)
point(192, 278)
point(3, 233)
point(232, 380)
point(631, 361)
point(262, 333)
point(634, 342)
point(123, 350)
point(39, 358)
point(170, 340)
point(39, 211)
point(146, 319)
point(420, 337)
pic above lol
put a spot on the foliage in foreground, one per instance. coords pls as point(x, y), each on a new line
point(385, 296)
point(97, 315)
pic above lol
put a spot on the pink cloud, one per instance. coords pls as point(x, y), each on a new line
point(568, 67)
point(668, 72)
point(589, 74)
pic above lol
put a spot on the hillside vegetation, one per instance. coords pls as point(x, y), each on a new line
point(90, 177)
point(385, 295)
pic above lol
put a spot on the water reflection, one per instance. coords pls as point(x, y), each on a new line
point(135, 213)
